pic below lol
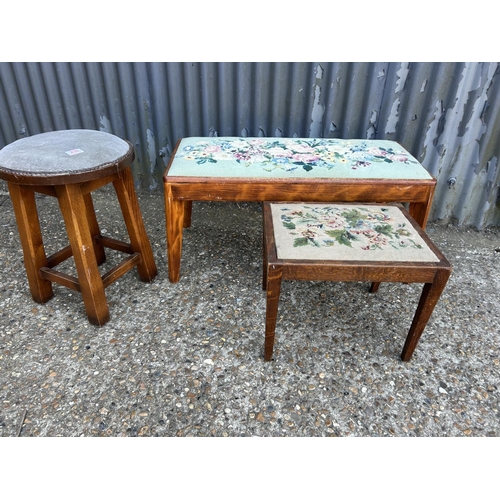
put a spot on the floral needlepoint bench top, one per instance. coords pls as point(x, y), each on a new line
point(346, 232)
point(272, 157)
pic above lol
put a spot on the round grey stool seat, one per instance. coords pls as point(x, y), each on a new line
point(70, 165)
point(57, 157)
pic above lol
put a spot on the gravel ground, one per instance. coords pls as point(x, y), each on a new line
point(187, 359)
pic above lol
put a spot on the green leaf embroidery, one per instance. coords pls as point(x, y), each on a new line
point(416, 245)
point(386, 230)
point(341, 236)
point(289, 225)
point(300, 242)
point(401, 233)
point(352, 216)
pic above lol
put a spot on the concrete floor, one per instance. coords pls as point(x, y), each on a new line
point(187, 359)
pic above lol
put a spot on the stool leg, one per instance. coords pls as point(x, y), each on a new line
point(274, 274)
point(72, 204)
point(23, 201)
point(188, 210)
point(174, 213)
point(124, 187)
point(264, 267)
point(420, 212)
point(94, 229)
point(428, 300)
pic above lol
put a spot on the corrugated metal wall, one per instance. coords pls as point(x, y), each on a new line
point(445, 114)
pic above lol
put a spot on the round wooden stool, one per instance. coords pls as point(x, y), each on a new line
point(69, 165)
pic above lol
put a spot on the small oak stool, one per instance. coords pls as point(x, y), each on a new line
point(349, 242)
point(69, 165)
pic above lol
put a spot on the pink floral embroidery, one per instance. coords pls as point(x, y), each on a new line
point(368, 228)
point(290, 154)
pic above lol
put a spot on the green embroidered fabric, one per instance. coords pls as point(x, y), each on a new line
point(347, 232)
point(271, 157)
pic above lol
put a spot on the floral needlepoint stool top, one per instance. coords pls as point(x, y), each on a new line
point(296, 158)
point(347, 232)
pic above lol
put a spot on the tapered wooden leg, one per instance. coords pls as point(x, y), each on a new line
point(274, 274)
point(428, 300)
point(188, 210)
point(420, 212)
point(264, 270)
point(94, 229)
point(264, 259)
point(125, 190)
point(23, 201)
point(174, 213)
point(72, 204)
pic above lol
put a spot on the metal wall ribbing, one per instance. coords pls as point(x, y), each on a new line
point(445, 114)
